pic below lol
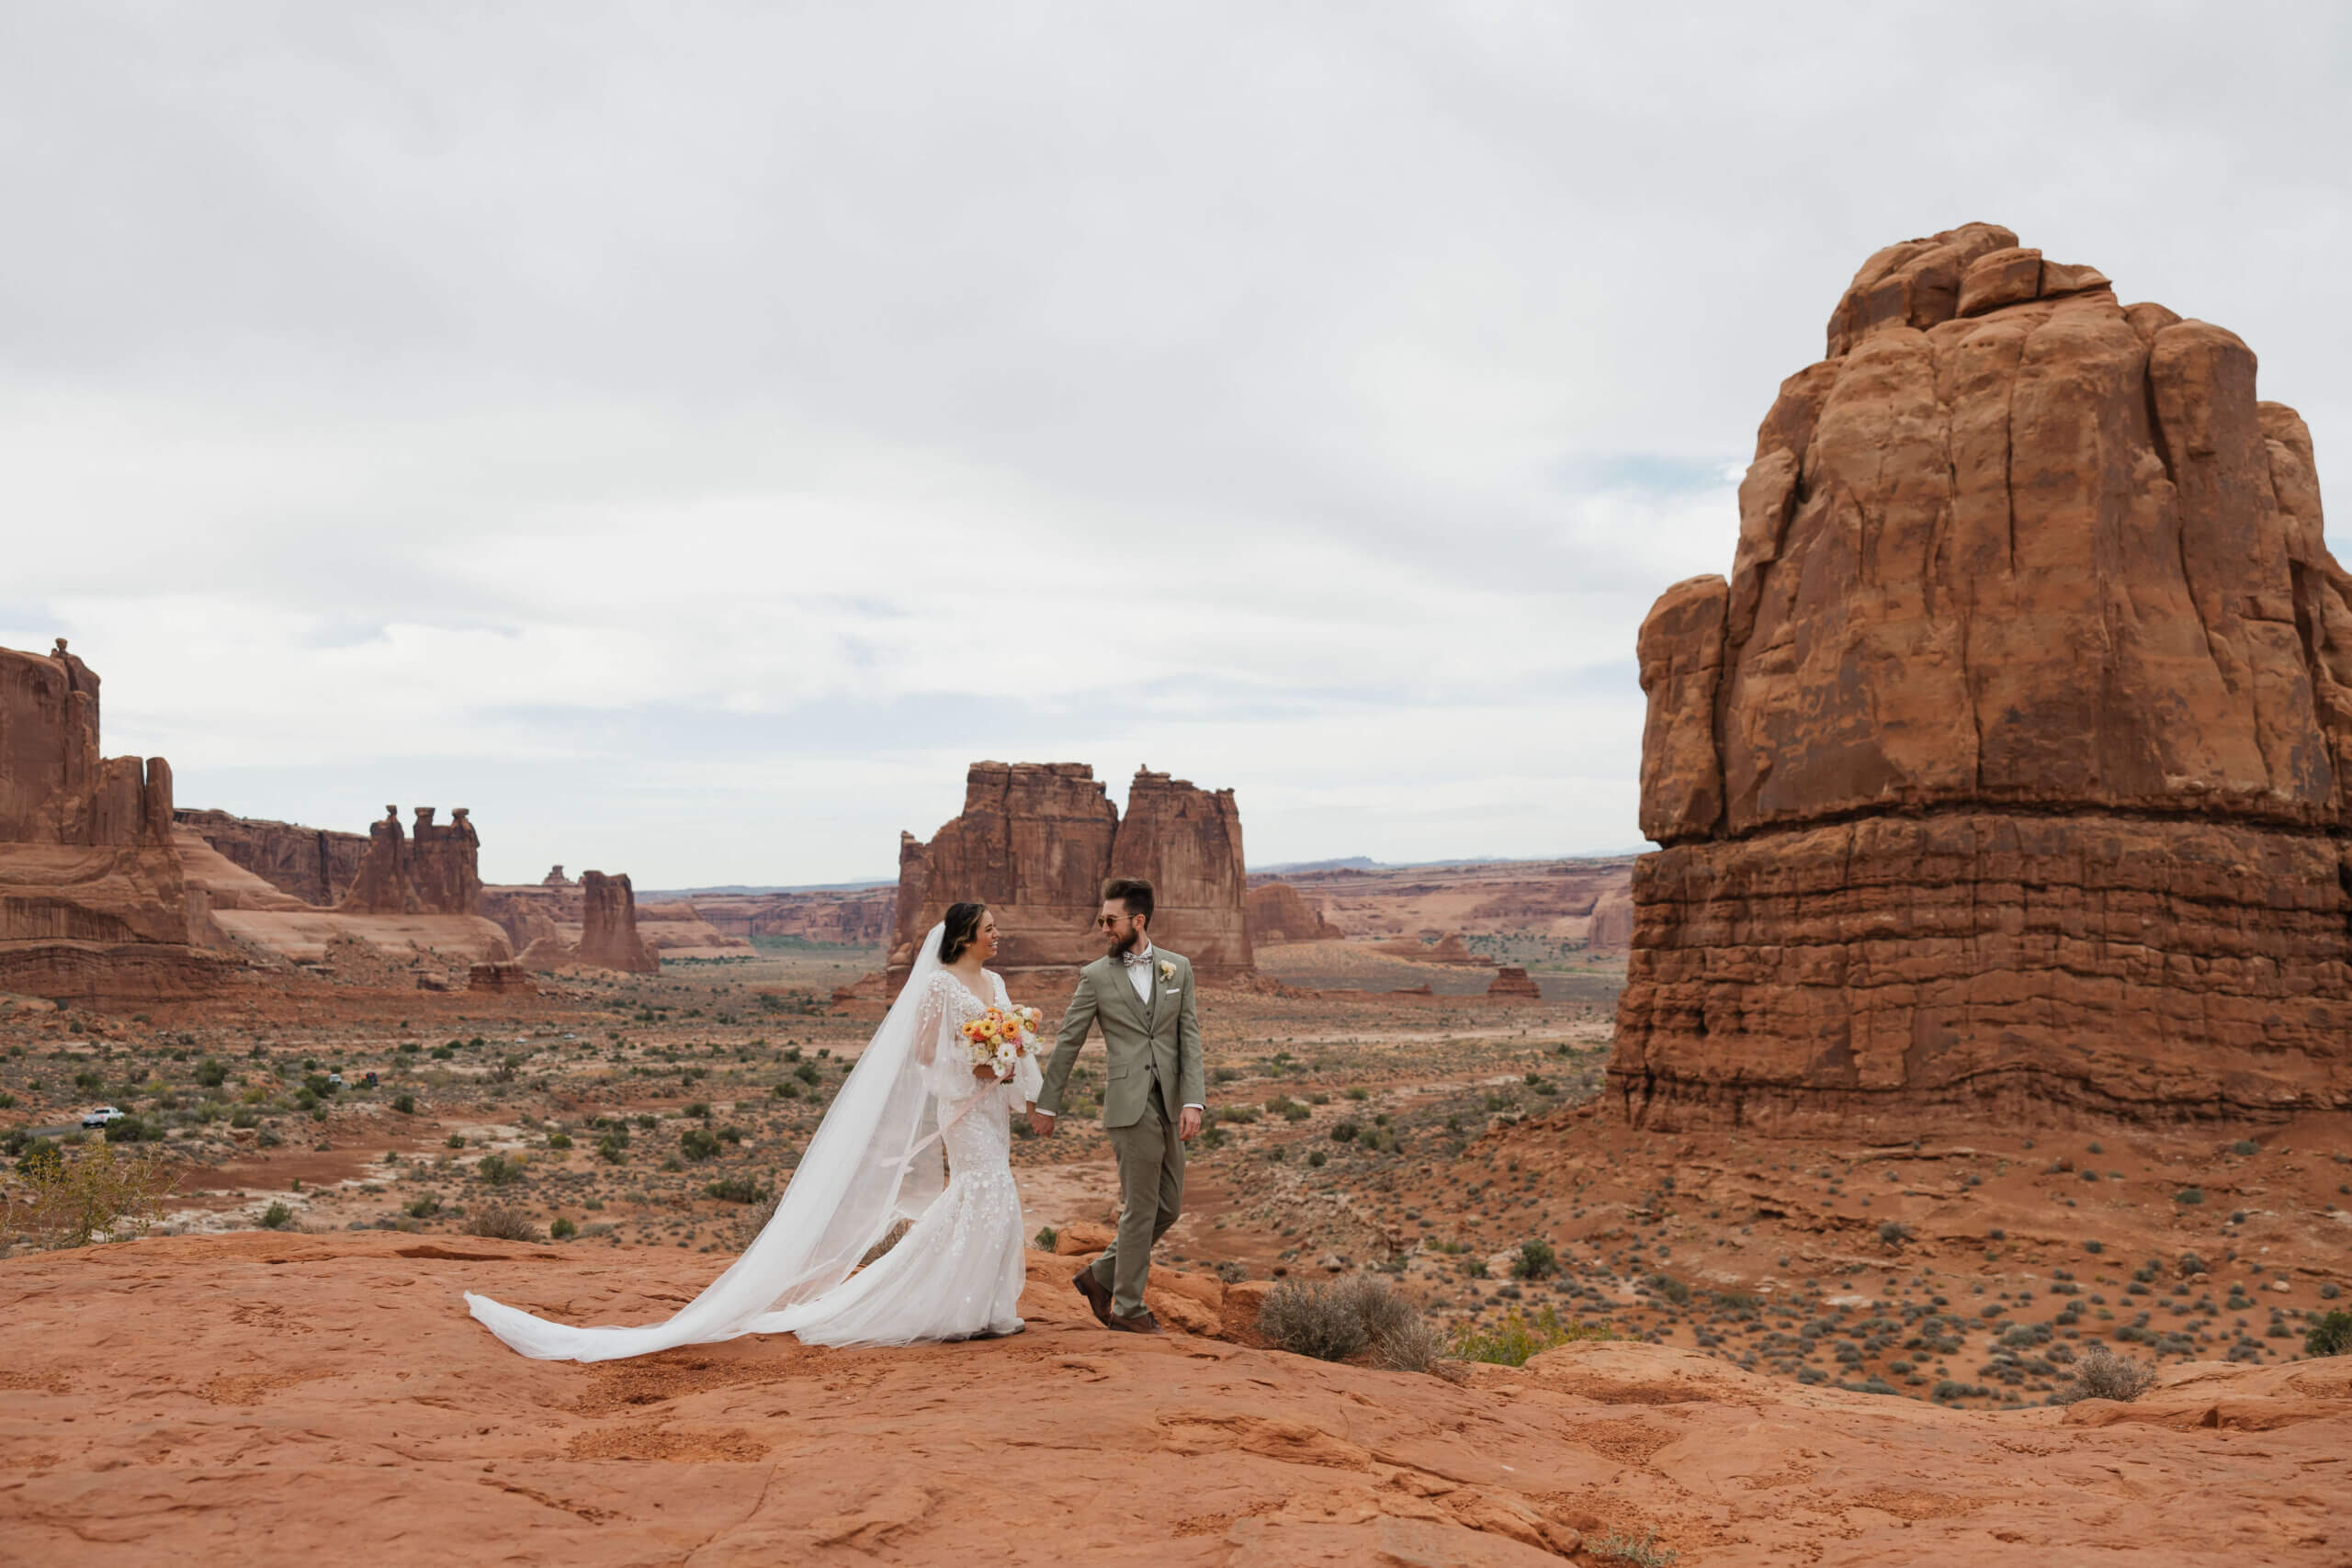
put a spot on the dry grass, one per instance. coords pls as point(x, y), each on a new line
point(503, 1221)
point(96, 1195)
point(2103, 1374)
point(1348, 1316)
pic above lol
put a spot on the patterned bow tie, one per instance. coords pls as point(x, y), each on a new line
point(1131, 959)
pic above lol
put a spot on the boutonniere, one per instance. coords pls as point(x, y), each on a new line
point(1167, 970)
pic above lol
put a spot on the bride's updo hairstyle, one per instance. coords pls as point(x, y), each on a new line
point(962, 928)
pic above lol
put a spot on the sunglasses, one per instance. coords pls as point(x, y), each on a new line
point(1110, 922)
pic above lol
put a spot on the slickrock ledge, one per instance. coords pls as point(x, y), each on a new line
point(2007, 772)
point(262, 1398)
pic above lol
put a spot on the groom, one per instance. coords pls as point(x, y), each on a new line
point(1142, 995)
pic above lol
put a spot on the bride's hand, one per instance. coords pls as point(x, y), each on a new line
point(985, 1070)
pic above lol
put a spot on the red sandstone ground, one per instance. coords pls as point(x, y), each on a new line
point(267, 1398)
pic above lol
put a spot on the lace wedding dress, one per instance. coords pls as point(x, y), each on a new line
point(875, 1159)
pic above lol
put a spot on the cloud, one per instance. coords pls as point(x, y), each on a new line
point(690, 436)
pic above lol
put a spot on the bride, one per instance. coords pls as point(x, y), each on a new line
point(956, 1274)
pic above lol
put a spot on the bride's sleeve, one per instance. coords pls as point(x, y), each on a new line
point(946, 1071)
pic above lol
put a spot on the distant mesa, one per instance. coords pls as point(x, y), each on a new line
point(2008, 772)
point(1036, 841)
point(1512, 983)
point(1278, 912)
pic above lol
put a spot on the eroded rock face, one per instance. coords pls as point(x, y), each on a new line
point(434, 872)
point(311, 863)
point(1036, 843)
point(850, 916)
point(2008, 765)
point(608, 937)
point(93, 905)
point(1278, 912)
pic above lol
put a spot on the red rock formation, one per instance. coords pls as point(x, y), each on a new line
point(1036, 843)
point(608, 938)
point(674, 925)
point(527, 914)
point(436, 873)
point(555, 878)
point(93, 904)
point(1447, 949)
point(500, 977)
point(1512, 982)
point(314, 864)
point(1279, 912)
point(1187, 842)
point(2007, 771)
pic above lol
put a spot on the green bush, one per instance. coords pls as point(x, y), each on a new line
point(563, 1229)
point(424, 1208)
point(1537, 1261)
point(559, 1140)
point(1512, 1341)
point(212, 1073)
point(613, 1148)
point(405, 1104)
point(1344, 1131)
point(2245, 1146)
point(498, 1170)
point(456, 1141)
point(2190, 1195)
point(277, 1217)
point(2331, 1334)
point(698, 1143)
point(1669, 1287)
point(1046, 1238)
point(736, 1189)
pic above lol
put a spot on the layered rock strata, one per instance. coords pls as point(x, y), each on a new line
point(854, 916)
point(1036, 841)
point(1279, 912)
point(311, 863)
point(2007, 770)
point(93, 905)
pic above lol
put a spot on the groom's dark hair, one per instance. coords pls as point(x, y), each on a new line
point(1131, 891)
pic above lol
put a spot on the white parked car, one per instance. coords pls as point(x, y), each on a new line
point(104, 1116)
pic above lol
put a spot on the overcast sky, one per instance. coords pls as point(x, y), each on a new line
point(688, 435)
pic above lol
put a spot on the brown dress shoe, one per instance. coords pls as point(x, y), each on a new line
point(1141, 1322)
point(1096, 1296)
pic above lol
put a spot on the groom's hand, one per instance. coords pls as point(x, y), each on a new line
point(1041, 1122)
point(1188, 1123)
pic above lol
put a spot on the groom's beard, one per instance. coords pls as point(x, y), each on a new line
point(1123, 945)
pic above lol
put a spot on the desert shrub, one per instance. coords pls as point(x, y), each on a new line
point(2245, 1146)
point(561, 1229)
point(1669, 1287)
point(2103, 1374)
point(503, 1221)
point(2190, 1264)
point(1620, 1546)
point(2331, 1334)
point(99, 1195)
point(613, 1148)
point(736, 1189)
point(1333, 1321)
point(277, 1217)
point(2191, 1196)
point(1344, 1131)
point(1316, 1157)
point(8, 1100)
point(1892, 1231)
point(699, 1110)
point(456, 1141)
point(212, 1073)
point(405, 1104)
point(1233, 1271)
point(1537, 1261)
point(559, 1140)
point(498, 1170)
point(1046, 1239)
point(698, 1143)
point(424, 1208)
point(1512, 1341)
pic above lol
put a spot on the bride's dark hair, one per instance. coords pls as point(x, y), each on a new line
point(962, 928)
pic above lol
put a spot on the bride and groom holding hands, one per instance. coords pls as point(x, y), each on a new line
point(921, 1131)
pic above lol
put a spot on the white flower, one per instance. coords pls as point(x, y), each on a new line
point(1167, 970)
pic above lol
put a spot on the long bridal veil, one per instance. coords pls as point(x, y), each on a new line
point(876, 1158)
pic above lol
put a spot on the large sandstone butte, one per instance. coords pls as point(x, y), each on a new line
point(93, 905)
point(434, 870)
point(1036, 841)
point(2009, 772)
point(608, 936)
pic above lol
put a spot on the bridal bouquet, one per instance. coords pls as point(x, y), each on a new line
point(1002, 1036)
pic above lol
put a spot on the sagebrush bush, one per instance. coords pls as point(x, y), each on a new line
point(98, 1195)
point(1512, 1341)
point(2330, 1335)
point(2103, 1374)
point(1360, 1312)
point(503, 1221)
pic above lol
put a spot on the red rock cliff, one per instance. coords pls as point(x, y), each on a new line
point(93, 905)
point(313, 864)
point(1036, 843)
point(2008, 769)
point(436, 871)
point(608, 935)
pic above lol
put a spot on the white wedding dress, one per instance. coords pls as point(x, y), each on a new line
point(874, 1160)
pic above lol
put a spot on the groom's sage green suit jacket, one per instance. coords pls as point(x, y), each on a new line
point(1141, 1039)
